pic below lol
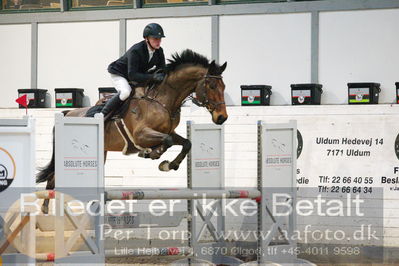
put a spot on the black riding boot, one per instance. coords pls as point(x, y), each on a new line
point(111, 104)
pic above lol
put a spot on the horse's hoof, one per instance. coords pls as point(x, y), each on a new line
point(173, 166)
point(164, 166)
point(155, 156)
point(145, 153)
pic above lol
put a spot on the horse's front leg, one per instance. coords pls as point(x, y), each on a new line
point(154, 141)
point(186, 146)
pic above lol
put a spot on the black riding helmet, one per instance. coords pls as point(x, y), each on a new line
point(153, 30)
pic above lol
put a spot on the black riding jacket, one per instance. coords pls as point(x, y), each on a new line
point(134, 65)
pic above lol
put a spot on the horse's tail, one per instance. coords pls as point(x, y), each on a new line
point(47, 172)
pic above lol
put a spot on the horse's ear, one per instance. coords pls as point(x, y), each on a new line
point(212, 67)
point(223, 67)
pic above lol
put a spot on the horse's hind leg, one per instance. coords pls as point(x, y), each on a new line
point(177, 140)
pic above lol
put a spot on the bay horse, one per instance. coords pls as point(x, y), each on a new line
point(151, 119)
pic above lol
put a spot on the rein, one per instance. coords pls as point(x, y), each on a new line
point(172, 115)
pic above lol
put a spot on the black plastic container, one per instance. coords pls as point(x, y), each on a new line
point(68, 97)
point(255, 95)
point(36, 97)
point(397, 91)
point(104, 91)
point(363, 93)
point(306, 94)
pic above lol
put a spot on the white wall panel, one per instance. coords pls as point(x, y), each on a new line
point(15, 62)
point(181, 33)
point(265, 49)
point(76, 55)
point(274, 49)
point(358, 46)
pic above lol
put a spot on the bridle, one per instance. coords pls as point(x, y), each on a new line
point(207, 103)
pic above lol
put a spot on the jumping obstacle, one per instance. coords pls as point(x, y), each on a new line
point(79, 171)
point(276, 172)
point(17, 162)
point(79, 142)
point(182, 194)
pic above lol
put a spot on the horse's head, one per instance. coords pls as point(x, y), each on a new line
point(210, 93)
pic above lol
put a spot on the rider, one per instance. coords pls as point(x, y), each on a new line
point(135, 65)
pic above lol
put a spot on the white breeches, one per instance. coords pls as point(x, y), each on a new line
point(122, 86)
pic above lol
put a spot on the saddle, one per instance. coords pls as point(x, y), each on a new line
point(116, 116)
point(119, 112)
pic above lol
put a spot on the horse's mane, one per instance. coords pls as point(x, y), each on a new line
point(187, 57)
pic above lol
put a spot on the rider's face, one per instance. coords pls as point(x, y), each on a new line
point(155, 42)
